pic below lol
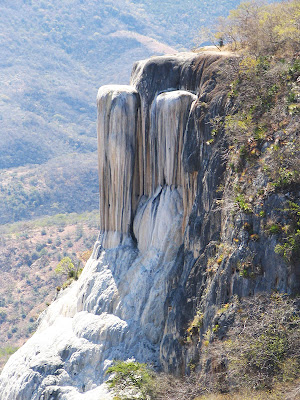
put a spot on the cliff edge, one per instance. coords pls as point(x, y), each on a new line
point(172, 243)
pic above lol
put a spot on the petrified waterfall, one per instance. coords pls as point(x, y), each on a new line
point(134, 162)
point(121, 305)
point(118, 125)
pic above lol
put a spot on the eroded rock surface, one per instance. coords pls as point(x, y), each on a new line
point(117, 309)
point(161, 221)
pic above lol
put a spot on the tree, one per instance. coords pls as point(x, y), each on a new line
point(67, 268)
point(131, 380)
point(262, 28)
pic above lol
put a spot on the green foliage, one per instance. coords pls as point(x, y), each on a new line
point(274, 229)
point(262, 28)
point(241, 202)
point(195, 325)
point(67, 268)
point(3, 315)
point(244, 271)
point(131, 380)
point(290, 246)
point(7, 351)
point(285, 177)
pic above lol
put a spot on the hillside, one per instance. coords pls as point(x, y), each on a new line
point(29, 254)
point(61, 185)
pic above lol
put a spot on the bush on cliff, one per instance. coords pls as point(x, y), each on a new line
point(262, 346)
point(67, 269)
point(131, 380)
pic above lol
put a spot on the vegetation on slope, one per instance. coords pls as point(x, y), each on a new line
point(262, 127)
point(258, 358)
point(62, 185)
point(250, 348)
point(29, 254)
point(261, 192)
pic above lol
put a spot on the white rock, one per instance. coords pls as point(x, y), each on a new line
point(117, 308)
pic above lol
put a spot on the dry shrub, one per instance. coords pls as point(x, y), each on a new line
point(262, 347)
point(262, 28)
point(175, 388)
point(258, 359)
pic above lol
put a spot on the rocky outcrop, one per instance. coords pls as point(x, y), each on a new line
point(163, 218)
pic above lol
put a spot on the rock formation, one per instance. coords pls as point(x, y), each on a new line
point(160, 221)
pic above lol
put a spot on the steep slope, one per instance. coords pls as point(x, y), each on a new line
point(164, 219)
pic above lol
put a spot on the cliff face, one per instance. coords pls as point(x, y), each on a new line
point(163, 216)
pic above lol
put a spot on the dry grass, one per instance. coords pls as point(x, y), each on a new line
point(171, 388)
point(280, 392)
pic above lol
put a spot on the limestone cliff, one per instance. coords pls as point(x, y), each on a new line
point(161, 220)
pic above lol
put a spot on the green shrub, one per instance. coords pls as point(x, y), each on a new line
point(262, 28)
point(39, 246)
point(241, 202)
point(7, 351)
point(3, 315)
point(195, 324)
point(131, 380)
point(289, 247)
point(66, 268)
point(274, 229)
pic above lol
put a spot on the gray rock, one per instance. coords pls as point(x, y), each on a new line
point(163, 217)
